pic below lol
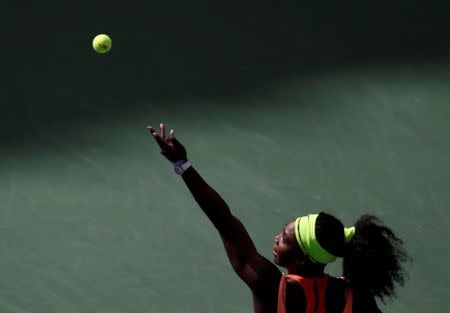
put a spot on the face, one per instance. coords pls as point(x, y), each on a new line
point(286, 250)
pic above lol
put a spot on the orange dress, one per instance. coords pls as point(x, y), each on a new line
point(313, 287)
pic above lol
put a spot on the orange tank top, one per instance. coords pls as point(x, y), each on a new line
point(314, 289)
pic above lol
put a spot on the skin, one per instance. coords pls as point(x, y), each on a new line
point(288, 254)
point(257, 272)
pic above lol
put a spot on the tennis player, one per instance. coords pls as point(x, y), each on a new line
point(373, 256)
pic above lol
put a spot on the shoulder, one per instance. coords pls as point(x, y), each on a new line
point(290, 281)
point(338, 282)
point(264, 285)
point(293, 283)
point(293, 286)
point(335, 294)
point(295, 298)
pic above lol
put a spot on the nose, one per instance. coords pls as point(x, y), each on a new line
point(277, 238)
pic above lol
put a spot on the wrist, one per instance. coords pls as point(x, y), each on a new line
point(181, 166)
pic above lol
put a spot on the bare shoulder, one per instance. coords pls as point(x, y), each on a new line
point(337, 283)
point(335, 295)
point(264, 283)
point(295, 298)
point(363, 301)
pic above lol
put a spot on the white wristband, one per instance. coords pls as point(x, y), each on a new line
point(181, 166)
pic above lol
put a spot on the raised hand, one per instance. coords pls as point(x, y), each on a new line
point(171, 148)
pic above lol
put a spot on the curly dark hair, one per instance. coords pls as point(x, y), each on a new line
point(373, 260)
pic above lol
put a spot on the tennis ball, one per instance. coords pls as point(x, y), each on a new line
point(102, 43)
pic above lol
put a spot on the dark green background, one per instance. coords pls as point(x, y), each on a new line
point(284, 109)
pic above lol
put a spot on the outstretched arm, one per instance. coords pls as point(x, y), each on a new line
point(248, 264)
point(209, 201)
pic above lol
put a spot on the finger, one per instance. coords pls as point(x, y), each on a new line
point(163, 130)
point(158, 138)
point(151, 129)
point(171, 133)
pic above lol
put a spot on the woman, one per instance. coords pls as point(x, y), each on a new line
point(373, 255)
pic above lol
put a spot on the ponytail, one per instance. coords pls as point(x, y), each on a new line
point(374, 258)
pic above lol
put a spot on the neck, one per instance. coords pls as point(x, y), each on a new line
point(307, 270)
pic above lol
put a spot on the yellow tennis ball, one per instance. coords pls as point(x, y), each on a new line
point(102, 43)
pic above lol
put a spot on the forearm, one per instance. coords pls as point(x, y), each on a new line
point(207, 198)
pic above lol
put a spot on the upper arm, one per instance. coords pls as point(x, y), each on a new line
point(254, 269)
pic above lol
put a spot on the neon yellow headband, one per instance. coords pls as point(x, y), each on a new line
point(305, 232)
